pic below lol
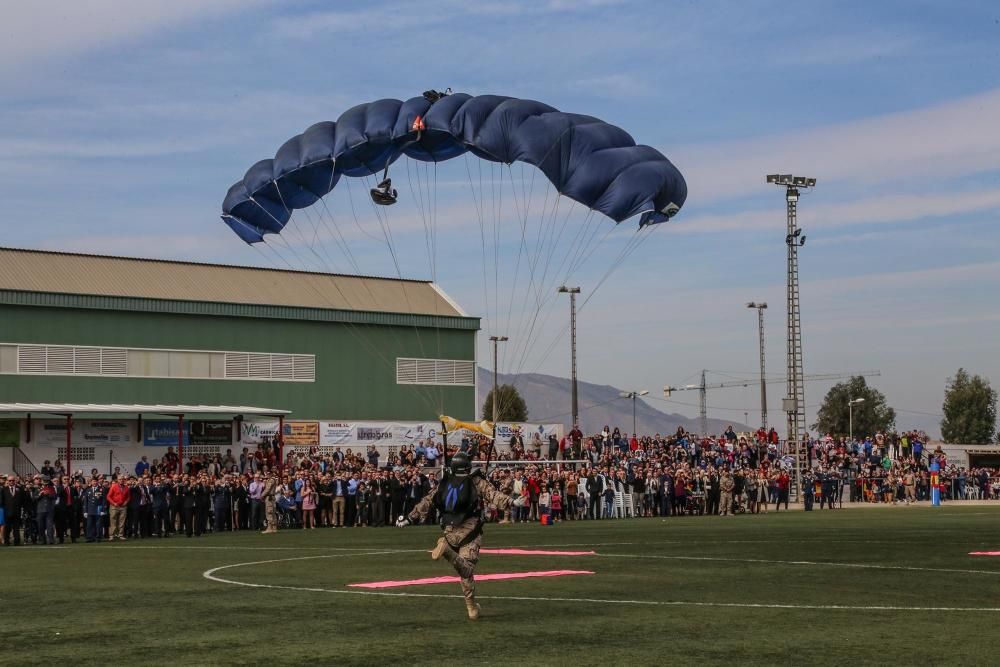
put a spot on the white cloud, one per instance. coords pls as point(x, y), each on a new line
point(46, 28)
point(943, 141)
point(883, 209)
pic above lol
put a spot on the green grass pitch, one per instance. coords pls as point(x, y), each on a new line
point(891, 585)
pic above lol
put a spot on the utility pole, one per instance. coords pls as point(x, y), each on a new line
point(496, 398)
point(761, 307)
point(703, 405)
point(496, 402)
point(572, 291)
point(794, 403)
point(633, 395)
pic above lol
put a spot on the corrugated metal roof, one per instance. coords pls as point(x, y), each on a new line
point(118, 408)
point(70, 273)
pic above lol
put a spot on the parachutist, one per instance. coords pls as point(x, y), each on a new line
point(457, 502)
point(384, 194)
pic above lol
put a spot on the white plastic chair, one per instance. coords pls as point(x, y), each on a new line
point(629, 507)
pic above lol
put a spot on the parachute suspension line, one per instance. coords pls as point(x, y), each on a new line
point(423, 195)
point(386, 234)
point(424, 389)
point(354, 212)
point(542, 227)
point(495, 215)
point(338, 236)
point(482, 236)
point(321, 264)
point(544, 300)
point(353, 328)
point(625, 253)
point(525, 336)
point(522, 223)
point(382, 216)
point(434, 246)
point(418, 197)
point(526, 200)
point(317, 238)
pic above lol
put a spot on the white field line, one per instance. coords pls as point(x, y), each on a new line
point(211, 575)
point(765, 561)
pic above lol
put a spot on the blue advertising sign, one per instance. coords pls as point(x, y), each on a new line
point(163, 433)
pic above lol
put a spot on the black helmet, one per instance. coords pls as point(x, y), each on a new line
point(461, 464)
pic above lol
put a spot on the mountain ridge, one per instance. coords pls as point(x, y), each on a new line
point(548, 398)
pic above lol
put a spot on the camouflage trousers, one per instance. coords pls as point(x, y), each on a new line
point(464, 552)
point(271, 513)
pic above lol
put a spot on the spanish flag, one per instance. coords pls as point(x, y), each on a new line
point(450, 424)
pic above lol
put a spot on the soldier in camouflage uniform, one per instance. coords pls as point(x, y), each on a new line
point(457, 501)
point(270, 504)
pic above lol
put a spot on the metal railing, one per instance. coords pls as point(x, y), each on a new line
point(22, 465)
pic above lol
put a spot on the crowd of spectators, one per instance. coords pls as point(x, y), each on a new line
point(577, 477)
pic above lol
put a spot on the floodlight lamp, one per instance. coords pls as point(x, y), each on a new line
point(802, 241)
point(644, 392)
point(772, 178)
point(624, 394)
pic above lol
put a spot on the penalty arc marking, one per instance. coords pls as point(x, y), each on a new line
point(211, 575)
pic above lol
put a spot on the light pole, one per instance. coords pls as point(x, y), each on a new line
point(760, 307)
point(633, 395)
point(850, 415)
point(794, 403)
point(572, 291)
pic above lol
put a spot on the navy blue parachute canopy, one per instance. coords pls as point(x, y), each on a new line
point(594, 163)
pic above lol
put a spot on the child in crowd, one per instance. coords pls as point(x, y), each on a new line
point(544, 502)
point(556, 504)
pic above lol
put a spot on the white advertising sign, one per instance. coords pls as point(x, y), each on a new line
point(355, 434)
point(86, 432)
point(254, 432)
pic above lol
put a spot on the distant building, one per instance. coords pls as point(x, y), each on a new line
point(92, 329)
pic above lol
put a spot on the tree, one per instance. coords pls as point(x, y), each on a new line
point(511, 406)
point(870, 416)
point(970, 410)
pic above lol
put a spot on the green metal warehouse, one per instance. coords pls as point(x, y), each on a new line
point(89, 329)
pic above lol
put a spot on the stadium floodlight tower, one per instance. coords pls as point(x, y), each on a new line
point(794, 402)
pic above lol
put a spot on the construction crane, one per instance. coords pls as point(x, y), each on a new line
point(704, 387)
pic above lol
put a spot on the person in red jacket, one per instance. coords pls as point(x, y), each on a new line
point(118, 499)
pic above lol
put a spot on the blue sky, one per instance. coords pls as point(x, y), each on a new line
point(124, 123)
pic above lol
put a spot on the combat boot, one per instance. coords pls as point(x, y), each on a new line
point(473, 608)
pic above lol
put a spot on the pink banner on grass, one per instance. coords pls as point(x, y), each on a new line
point(984, 553)
point(479, 577)
point(534, 552)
